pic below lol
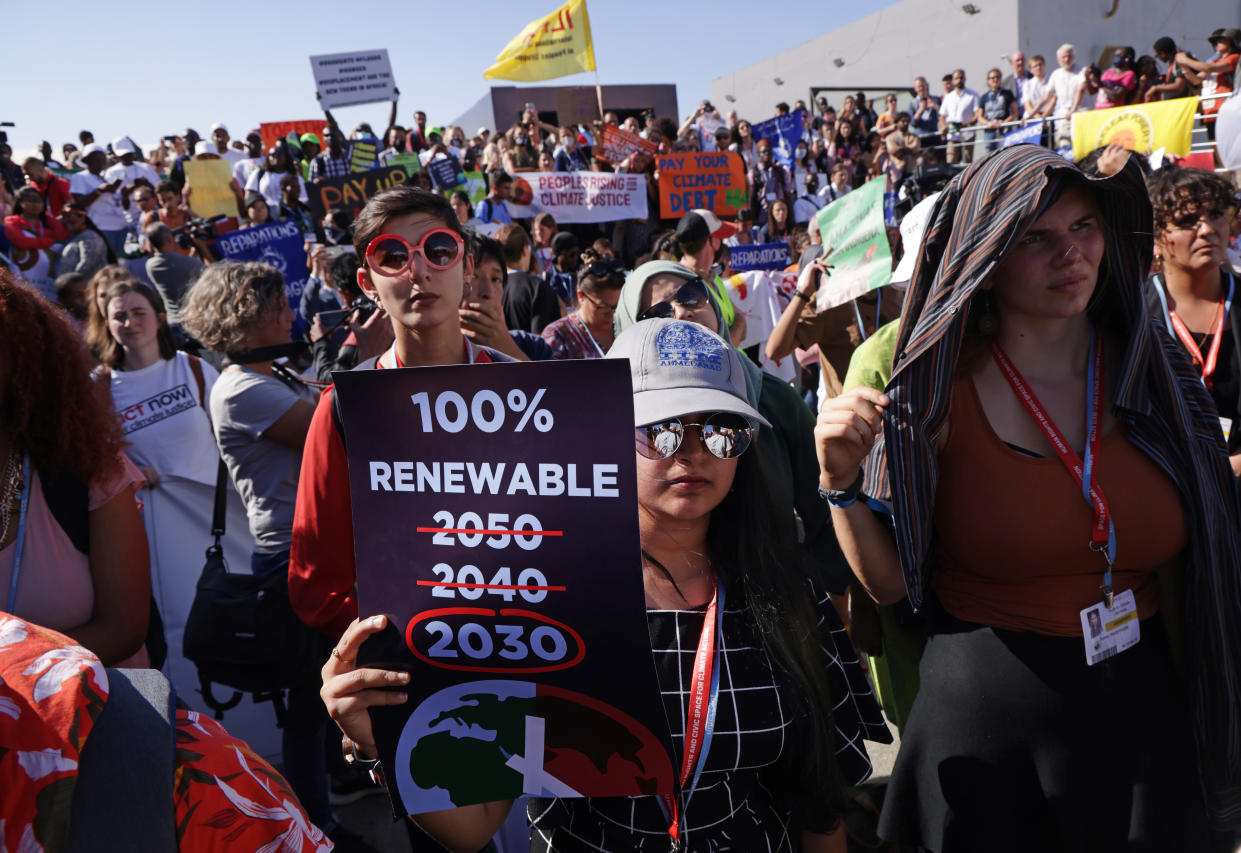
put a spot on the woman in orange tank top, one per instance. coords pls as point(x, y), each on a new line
point(1048, 463)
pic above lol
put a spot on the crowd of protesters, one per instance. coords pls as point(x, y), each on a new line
point(893, 515)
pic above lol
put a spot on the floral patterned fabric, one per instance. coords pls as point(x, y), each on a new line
point(51, 693)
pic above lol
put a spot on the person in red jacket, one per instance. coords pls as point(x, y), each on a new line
point(29, 227)
point(53, 188)
point(416, 267)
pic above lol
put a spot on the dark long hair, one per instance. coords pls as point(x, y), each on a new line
point(48, 401)
point(752, 546)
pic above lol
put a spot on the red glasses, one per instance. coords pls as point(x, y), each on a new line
point(392, 255)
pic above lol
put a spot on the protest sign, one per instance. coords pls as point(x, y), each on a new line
point(618, 144)
point(761, 296)
point(578, 196)
point(474, 185)
point(692, 180)
point(495, 524)
point(445, 172)
point(577, 105)
point(351, 191)
point(853, 227)
point(363, 154)
point(1030, 133)
point(783, 132)
point(553, 46)
point(759, 256)
point(1138, 127)
point(278, 244)
point(273, 130)
point(345, 79)
point(210, 193)
point(408, 161)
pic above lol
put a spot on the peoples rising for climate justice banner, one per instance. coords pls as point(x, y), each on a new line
point(495, 524)
point(853, 227)
point(578, 196)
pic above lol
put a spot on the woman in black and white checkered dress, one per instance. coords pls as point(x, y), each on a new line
point(793, 704)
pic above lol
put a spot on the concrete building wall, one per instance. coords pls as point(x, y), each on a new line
point(503, 105)
point(886, 50)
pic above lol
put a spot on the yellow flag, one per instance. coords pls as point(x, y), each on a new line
point(1140, 127)
point(555, 46)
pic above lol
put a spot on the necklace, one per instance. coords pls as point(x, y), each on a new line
point(12, 491)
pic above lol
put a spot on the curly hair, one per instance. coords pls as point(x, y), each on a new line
point(97, 336)
point(112, 353)
point(1177, 192)
point(229, 301)
point(48, 401)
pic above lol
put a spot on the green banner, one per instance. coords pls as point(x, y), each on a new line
point(409, 162)
point(856, 243)
point(475, 186)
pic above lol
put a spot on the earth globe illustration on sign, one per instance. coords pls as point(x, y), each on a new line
point(492, 740)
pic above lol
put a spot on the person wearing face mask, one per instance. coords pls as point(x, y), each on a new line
point(807, 204)
point(1118, 83)
point(803, 165)
point(570, 158)
point(1193, 289)
point(769, 181)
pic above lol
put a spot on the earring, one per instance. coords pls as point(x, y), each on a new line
point(988, 320)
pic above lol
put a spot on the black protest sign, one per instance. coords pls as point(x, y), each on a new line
point(352, 191)
point(446, 172)
point(495, 523)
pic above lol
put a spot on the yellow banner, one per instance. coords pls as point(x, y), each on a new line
point(1140, 127)
point(555, 46)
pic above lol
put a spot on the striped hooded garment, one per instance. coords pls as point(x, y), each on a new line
point(1158, 395)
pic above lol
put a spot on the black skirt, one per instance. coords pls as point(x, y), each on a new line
point(1015, 744)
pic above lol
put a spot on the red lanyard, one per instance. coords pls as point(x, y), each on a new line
point(1187, 338)
point(1102, 534)
point(704, 691)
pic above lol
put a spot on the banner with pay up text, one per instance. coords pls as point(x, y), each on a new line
point(578, 196)
point(1138, 127)
point(853, 229)
point(495, 524)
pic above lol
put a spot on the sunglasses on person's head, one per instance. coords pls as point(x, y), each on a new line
point(391, 254)
point(601, 268)
point(691, 295)
point(724, 434)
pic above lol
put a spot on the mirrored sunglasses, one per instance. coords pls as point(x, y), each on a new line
point(391, 254)
point(724, 434)
point(691, 296)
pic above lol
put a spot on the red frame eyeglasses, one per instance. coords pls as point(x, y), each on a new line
point(381, 253)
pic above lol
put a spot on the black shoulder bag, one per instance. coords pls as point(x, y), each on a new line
point(242, 631)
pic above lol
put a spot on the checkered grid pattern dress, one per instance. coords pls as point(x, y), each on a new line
point(737, 805)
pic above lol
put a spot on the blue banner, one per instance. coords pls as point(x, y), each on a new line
point(759, 256)
point(278, 244)
point(1030, 133)
point(783, 132)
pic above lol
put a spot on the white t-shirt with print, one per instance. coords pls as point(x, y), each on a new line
point(104, 211)
point(164, 421)
point(268, 185)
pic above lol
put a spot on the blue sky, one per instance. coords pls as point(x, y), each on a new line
point(146, 70)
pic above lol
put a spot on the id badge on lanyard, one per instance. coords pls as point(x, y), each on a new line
point(1117, 611)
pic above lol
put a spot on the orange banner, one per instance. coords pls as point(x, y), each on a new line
point(713, 181)
point(271, 131)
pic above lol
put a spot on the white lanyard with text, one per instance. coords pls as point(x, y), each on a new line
point(704, 694)
point(1103, 532)
point(20, 539)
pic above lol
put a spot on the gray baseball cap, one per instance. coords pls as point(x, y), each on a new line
point(679, 368)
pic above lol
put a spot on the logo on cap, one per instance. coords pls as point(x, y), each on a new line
point(685, 345)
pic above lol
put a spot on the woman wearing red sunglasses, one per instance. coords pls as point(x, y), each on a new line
point(416, 268)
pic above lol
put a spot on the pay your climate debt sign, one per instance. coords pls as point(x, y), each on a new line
point(495, 524)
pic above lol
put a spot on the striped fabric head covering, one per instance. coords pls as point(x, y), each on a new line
point(1169, 415)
